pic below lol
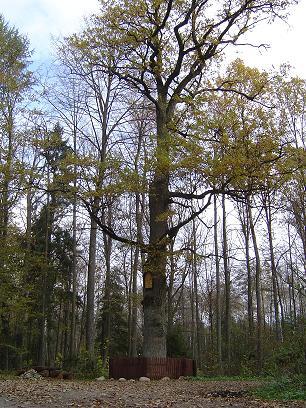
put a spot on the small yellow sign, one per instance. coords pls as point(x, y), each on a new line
point(148, 280)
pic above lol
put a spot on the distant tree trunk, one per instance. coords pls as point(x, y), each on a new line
point(268, 213)
point(42, 320)
point(29, 219)
point(103, 107)
point(106, 321)
point(258, 291)
point(245, 227)
point(74, 255)
point(82, 322)
point(210, 316)
point(170, 311)
point(292, 280)
point(90, 299)
point(5, 205)
point(196, 296)
point(133, 348)
point(218, 290)
point(139, 213)
point(193, 320)
point(279, 286)
point(58, 328)
point(227, 287)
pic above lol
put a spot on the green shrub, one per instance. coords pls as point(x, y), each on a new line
point(85, 368)
point(286, 359)
point(176, 344)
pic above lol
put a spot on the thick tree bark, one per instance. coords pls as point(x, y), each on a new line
point(154, 299)
point(154, 306)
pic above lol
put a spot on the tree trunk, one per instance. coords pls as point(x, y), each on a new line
point(267, 208)
point(293, 314)
point(258, 291)
point(106, 323)
point(42, 319)
point(227, 287)
point(154, 299)
point(192, 315)
point(74, 254)
point(170, 311)
point(5, 205)
point(245, 227)
point(218, 289)
point(196, 296)
point(154, 305)
point(90, 299)
point(134, 305)
point(139, 222)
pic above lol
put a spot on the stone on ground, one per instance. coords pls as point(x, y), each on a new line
point(31, 375)
point(144, 379)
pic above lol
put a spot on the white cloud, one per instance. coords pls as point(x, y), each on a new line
point(42, 19)
point(286, 42)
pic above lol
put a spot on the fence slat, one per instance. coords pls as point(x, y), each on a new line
point(154, 368)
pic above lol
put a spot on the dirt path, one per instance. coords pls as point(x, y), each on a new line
point(156, 394)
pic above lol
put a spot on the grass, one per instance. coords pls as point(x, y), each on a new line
point(226, 378)
point(283, 389)
point(7, 375)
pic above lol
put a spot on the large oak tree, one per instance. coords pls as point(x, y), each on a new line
point(166, 50)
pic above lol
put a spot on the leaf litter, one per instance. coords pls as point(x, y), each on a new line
point(48, 393)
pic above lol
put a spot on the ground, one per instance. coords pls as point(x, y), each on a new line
point(18, 393)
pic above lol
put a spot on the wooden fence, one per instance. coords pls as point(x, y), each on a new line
point(154, 368)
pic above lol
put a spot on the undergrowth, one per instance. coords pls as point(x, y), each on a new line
point(226, 378)
point(283, 388)
point(7, 375)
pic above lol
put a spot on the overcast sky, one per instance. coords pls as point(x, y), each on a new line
point(42, 19)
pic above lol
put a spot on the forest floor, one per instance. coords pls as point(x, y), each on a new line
point(47, 393)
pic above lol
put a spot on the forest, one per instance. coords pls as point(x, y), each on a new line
point(152, 193)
